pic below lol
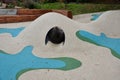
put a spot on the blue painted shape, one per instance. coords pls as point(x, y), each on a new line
point(95, 16)
point(102, 40)
point(10, 65)
point(13, 31)
point(13, 65)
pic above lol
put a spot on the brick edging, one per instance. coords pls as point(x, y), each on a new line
point(30, 15)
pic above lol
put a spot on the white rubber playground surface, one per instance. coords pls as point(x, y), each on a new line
point(97, 62)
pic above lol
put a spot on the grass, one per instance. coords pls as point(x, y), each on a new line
point(79, 8)
point(89, 8)
point(50, 6)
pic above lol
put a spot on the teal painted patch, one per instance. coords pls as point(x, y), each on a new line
point(13, 65)
point(95, 16)
point(112, 43)
point(13, 31)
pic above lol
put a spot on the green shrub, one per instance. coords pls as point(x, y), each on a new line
point(20, 3)
point(50, 1)
point(52, 6)
point(10, 5)
point(75, 8)
point(37, 6)
point(0, 3)
point(29, 4)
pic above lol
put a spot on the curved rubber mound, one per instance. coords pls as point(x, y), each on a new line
point(97, 61)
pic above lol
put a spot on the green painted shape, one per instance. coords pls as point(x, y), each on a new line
point(85, 39)
point(115, 54)
point(90, 41)
point(21, 72)
point(70, 62)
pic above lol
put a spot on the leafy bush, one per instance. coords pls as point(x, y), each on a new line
point(29, 4)
point(81, 8)
point(52, 6)
point(20, 3)
point(10, 5)
point(0, 3)
point(50, 1)
point(77, 1)
point(37, 6)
